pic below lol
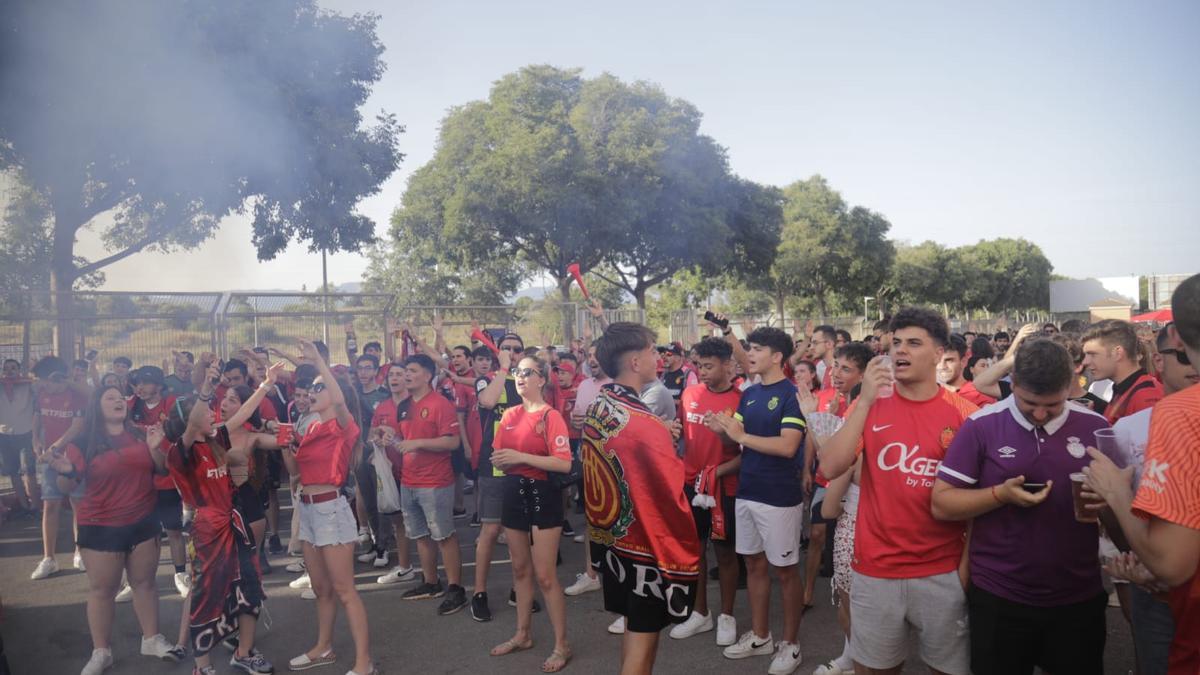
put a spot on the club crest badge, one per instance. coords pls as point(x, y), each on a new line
point(1075, 447)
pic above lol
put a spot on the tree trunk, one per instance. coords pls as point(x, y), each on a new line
point(779, 307)
point(62, 280)
point(639, 295)
point(568, 321)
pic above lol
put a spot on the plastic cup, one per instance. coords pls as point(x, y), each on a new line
point(887, 390)
point(284, 434)
point(1081, 513)
point(1106, 442)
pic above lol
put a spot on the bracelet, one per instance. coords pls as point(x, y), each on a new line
point(996, 496)
point(727, 332)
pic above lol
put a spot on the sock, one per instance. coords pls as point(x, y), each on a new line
point(181, 568)
point(845, 661)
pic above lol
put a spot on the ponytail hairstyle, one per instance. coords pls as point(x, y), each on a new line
point(543, 369)
point(95, 439)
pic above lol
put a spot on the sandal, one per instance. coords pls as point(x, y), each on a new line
point(556, 661)
point(509, 646)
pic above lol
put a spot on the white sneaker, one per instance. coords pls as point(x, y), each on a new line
point(617, 627)
point(296, 567)
point(579, 539)
point(125, 594)
point(786, 661)
point(183, 584)
point(367, 557)
point(308, 594)
point(78, 562)
point(157, 647)
point(726, 630)
point(364, 536)
point(101, 661)
point(583, 584)
point(397, 575)
point(301, 581)
point(696, 623)
point(831, 668)
point(45, 568)
point(381, 561)
point(750, 645)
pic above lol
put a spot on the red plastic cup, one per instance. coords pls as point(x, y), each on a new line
point(285, 434)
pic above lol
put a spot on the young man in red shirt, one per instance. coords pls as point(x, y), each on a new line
point(906, 564)
point(824, 343)
point(430, 433)
point(1162, 522)
point(1110, 352)
point(58, 419)
point(707, 454)
point(385, 433)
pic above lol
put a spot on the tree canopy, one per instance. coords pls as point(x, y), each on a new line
point(167, 117)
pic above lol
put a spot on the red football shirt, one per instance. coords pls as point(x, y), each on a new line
point(542, 433)
point(1142, 393)
point(970, 393)
point(120, 483)
point(58, 411)
point(386, 415)
point(903, 443)
point(564, 402)
point(431, 417)
point(702, 447)
point(204, 483)
point(144, 416)
point(324, 453)
point(1170, 490)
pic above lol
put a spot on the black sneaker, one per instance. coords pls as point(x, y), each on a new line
point(274, 546)
point(475, 521)
point(714, 573)
point(568, 531)
point(456, 599)
point(424, 591)
point(459, 514)
point(479, 608)
point(512, 601)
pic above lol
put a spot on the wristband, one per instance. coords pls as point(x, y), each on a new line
point(727, 332)
point(996, 496)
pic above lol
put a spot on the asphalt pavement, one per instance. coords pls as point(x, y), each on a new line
point(44, 626)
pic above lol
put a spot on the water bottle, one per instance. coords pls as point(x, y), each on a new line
point(888, 389)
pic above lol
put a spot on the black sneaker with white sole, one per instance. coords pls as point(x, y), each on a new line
point(254, 663)
point(456, 599)
point(479, 608)
point(512, 601)
point(568, 530)
point(424, 591)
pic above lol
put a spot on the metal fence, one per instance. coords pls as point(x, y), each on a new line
point(279, 320)
point(142, 326)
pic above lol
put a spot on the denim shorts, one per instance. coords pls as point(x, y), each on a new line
point(49, 485)
point(428, 512)
point(327, 523)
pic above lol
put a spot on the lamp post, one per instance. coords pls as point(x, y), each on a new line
point(866, 299)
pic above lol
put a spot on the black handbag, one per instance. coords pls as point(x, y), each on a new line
point(574, 476)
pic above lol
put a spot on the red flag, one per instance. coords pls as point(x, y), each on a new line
point(573, 268)
point(480, 336)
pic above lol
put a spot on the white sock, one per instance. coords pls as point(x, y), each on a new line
point(845, 661)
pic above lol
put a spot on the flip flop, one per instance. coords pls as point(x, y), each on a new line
point(509, 646)
point(559, 659)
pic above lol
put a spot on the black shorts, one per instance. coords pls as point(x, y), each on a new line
point(16, 455)
point(703, 518)
point(1011, 638)
point(530, 503)
point(645, 610)
point(118, 538)
point(247, 500)
point(274, 470)
point(458, 461)
point(817, 518)
point(169, 510)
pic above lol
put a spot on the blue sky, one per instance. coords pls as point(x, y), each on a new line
point(1072, 124)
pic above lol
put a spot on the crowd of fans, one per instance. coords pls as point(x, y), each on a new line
point(973, 494)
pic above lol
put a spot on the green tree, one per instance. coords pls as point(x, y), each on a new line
point(26, 232)
point(1005, 274)
point(828, 252)
point(166, 117)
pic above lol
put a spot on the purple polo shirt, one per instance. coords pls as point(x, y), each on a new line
point(1038, 556)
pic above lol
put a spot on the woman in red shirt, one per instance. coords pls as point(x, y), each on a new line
point(118, 530)
point(327, 526)
point(532, 439)
point(227, 590)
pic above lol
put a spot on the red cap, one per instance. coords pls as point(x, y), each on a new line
point(566, 365)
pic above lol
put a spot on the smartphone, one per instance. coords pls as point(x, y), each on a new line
point(712, 318)
point(91, 355)
point(1033, 488)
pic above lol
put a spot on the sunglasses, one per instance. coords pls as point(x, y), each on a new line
point(510, 348)
point(317, 388)
point(1180, 356)
point(526, 372)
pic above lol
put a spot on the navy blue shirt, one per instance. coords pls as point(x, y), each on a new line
point(766, 410)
